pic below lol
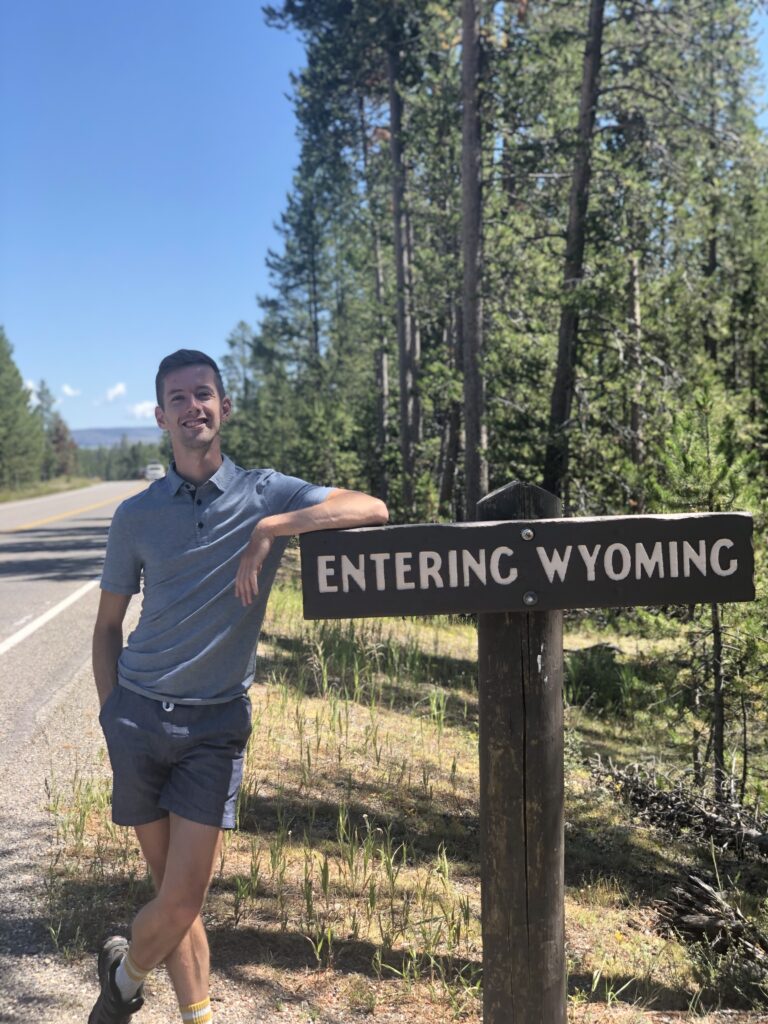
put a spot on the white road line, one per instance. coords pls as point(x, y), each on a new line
point(41, 620)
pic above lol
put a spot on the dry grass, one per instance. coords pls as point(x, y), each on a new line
point(352, 882)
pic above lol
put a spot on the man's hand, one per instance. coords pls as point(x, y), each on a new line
point(340, 510)
point(251, 561)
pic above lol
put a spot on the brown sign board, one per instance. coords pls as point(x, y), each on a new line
point(527, 565)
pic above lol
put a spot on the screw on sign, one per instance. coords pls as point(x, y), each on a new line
point(518, 578)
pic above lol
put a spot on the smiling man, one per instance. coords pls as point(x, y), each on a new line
point(206, 541)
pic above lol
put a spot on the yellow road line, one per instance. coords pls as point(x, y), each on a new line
point(64, 515)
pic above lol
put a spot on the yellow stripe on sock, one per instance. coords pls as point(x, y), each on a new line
point(197, 1013)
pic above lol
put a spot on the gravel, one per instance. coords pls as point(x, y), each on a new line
point(38, 983)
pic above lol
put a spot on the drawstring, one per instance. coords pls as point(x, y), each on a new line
point(168, 706)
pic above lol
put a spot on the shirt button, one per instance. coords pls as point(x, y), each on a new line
point(199, 501)
point(199, 526)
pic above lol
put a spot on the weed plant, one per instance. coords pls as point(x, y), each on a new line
point(356, 854)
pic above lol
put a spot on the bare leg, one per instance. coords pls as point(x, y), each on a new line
point(181, 855)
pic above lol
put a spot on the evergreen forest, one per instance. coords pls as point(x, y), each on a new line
point(528, 240)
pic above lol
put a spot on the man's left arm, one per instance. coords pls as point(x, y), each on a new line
point(341, 509)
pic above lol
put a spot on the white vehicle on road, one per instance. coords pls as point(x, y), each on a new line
point(154, 471)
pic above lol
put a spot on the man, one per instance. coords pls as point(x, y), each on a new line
point(207, 540)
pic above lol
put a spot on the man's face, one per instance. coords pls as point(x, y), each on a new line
point(192, 410)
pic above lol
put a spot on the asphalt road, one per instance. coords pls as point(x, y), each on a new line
point(51, 551)
point(50, 559)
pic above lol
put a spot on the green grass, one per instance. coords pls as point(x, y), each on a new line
point(44, 487)
point(356, 856)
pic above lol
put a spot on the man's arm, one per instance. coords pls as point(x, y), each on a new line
point(340, 510)
point(108, 641)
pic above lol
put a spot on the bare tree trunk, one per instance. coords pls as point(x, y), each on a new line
point(475, 460)
point(417, 427)
point(449, 439)
point(698, 764)
point(744, 751)
point(556, 458)
point(381, 356)
point(710, 263)
point(718, 705)
point(405, 341)
point(635, 375)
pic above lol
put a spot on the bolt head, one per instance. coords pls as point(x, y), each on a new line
point(530, 597)
point(527, 533)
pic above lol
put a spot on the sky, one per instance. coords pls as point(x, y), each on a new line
point(146, 152)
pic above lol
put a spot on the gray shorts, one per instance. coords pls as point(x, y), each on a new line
point(186, 759)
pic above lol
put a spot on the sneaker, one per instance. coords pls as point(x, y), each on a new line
point(110, 1007)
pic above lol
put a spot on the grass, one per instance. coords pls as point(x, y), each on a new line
point(356, 858)
point(44, 487)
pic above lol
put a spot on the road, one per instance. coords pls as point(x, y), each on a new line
point(51, 551)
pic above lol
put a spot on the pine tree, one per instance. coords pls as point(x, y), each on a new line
point(21, 436)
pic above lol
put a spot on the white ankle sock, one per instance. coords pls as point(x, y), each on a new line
point(128, 977)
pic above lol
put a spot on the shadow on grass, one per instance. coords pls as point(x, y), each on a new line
point(393, 689)
point(423, 834)
point(233, 949)
point(624, 989)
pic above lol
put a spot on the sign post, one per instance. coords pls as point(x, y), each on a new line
point(518, 571)
point(520, 685)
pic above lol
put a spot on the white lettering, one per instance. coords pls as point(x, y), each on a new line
point(378, 559)
point(403, 566)
point(699, 558)
point(555, 563)
point(674, 571)
point(626, 561)
point(494, 566)
point(324, 572)
point(476, 565)
point(429, 569)
point(453, 569)
point(589, 560)
point(714, 558)
point(649, 563)
point(356, 572)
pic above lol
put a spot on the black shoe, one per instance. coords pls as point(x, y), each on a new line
point(110, 1007)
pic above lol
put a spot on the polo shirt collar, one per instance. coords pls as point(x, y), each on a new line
point(221, 479)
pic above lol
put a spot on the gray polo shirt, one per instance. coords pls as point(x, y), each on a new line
point(195, 643)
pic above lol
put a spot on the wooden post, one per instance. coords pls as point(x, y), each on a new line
point(521, 793)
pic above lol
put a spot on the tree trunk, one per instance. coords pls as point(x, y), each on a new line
point(635, 374)
point(449, 439)
point(405, 339)
point(381, 356)
point(710, 262)
point(556, 459)
point(718, 705)
point(475, 460)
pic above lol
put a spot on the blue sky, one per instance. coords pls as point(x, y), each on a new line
point(145, 155)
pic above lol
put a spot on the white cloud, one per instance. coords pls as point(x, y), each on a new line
point(142, 410)
point(116, 391)
point(69, 392)
point(32, 389)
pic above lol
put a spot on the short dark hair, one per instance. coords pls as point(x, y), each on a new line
point(185, 357)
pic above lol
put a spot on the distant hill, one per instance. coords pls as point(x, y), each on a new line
point(110, 437)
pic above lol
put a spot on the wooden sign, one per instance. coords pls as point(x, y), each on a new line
point(524, 561)
point(591, 562)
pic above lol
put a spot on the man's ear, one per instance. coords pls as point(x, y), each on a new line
point(160, 418)
point(226, 407)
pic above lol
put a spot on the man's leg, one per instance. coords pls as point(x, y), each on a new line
point(169, 927)
point(188, 964)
